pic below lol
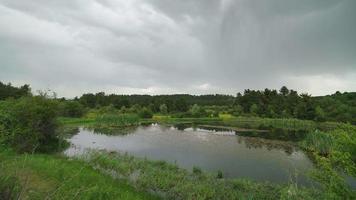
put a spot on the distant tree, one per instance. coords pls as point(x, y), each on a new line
point(254, 109)
point(181, 105)
point(163, 109)
point(237, 110)
point(145, 113)
point(284, 91)
point(71, 109)
point(9, 91)
point(198, 111)
point(319, 114)
point(88, 100)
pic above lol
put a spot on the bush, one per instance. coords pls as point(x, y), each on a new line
point(28, 124)
point(197, 170)
point(145, 113)
point(71, 109)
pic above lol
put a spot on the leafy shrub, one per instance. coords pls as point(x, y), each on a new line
point(197, 170)
point(145, 113)
point(28, 124)
point(71, 109)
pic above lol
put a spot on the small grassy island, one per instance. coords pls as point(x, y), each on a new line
point(34, 130)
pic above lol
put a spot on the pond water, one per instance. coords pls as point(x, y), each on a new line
point(236, 156)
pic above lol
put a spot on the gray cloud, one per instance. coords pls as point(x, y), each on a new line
point(195, 46)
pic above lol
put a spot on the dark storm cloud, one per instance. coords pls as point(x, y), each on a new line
point(195, 46)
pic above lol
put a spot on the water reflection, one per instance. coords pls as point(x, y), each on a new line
point(111, 130)
point(212, 150)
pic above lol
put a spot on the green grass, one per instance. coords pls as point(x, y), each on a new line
point(53, 177)
point(172, 182)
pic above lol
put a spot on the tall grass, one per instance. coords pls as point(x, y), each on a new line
point(172, 182)
point(50, 177)
point(118, 120)
point(318, 142)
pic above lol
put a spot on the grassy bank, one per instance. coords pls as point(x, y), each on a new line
point(171, 182)
point(53, 177)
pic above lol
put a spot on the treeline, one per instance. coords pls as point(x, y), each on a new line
point(7, 90)
point(174, 103)
point(284, 103)
point(287, 103)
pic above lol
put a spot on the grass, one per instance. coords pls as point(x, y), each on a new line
point(172, 182)
point(120, 120)
point(52, 177)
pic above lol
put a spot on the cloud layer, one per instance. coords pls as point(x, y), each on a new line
point(195, 46)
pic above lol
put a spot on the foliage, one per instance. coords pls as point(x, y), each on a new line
point(145, 113)
point(175, 183)
point(163, 109)
point(71, 109)
point(7, 91)
point(51, 177)
point(335, 155)
point(9, 187)
point(119, 120)
point(29, 123)
point(197, 111)
point(319, 142)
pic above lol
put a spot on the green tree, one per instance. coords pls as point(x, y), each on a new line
point(145, 113)
point(163, 109)
point(254, 109)
point(284, 91)
point(319, 114)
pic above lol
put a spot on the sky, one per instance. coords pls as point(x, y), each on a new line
point(187, 46)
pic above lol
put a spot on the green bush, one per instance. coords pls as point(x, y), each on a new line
point(145, 113)
point(71, 109)
point(28, 124)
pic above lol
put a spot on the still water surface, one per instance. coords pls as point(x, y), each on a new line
point(236, 156)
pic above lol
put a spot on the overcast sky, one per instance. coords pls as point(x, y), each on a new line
point(178, 46)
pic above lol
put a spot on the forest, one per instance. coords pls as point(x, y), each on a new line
point(285, 103)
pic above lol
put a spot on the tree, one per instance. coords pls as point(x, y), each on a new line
point(181, 105)
point(254, 109)
point(145, 113)
point(198, 111)
point(238, 110)
point(284, 91)
point(319, 114)
point(71, 109)
point(163, 109)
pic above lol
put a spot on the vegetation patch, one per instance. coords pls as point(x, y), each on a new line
point(172, 182)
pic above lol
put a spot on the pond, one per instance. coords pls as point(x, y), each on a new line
point(211, 150)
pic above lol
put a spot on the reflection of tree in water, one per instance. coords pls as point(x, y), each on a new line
point(258, 143)
point(106, 130)
point(277, 134)
point(182, 126)
point(216, 129)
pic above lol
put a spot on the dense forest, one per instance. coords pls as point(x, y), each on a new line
point(284, 103)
